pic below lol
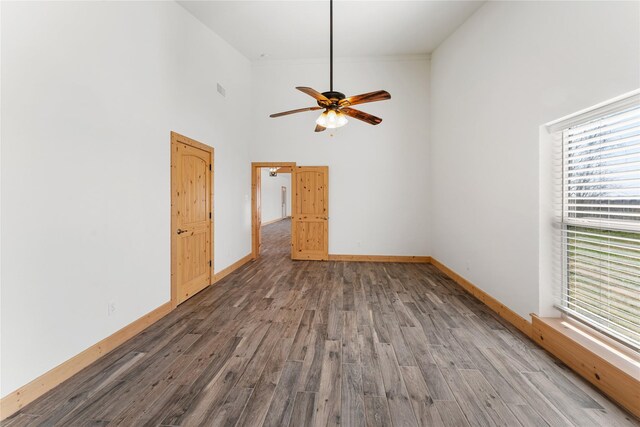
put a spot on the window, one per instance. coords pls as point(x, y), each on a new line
point(600, 221)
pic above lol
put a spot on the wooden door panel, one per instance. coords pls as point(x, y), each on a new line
point(193, 262)
point(310, 213)
point(310, 236)
point(192, 253)
point(194, 189)
point(311, 194)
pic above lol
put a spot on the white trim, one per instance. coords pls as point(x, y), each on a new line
point(576, 130)
point(624, 351)
point(612, 104)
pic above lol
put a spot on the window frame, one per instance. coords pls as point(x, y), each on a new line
point(561, 128)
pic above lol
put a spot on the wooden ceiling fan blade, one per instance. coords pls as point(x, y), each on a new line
point(379, 95)
point(314, 94)
point(361, 115)
point(299, 110)
point(320, 128)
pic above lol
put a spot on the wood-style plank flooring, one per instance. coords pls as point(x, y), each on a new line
point(283, 343)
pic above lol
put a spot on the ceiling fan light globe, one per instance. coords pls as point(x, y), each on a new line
point(331, 120)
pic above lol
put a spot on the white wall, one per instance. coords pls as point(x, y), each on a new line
point(510, 68)
point(90, 92)
point(270, 195)
point(377, 174)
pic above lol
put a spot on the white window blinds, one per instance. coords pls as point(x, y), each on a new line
point(601, 222)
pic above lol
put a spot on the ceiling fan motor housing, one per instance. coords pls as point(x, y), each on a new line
point(333, 96)
point(335, 104)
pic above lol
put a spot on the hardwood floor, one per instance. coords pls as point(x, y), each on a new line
point(306, 343)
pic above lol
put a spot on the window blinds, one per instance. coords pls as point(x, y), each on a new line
point(601, 223)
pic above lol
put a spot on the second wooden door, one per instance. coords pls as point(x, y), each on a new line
point(309, 215)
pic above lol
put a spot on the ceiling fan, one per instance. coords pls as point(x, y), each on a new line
point(335, 104)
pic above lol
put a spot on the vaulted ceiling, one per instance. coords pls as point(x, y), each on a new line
point(300, 29)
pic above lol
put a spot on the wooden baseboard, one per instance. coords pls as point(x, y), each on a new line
point(11, 403)
point(502, 310)
point(572, 349)
point(381, 258)
point(233, 267)
point(616, 383)
point(611, 373)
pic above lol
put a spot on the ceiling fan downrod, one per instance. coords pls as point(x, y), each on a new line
point(331, 45)
point(335, 104)
point(338, 96)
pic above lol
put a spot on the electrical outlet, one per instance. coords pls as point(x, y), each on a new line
point(111, 308)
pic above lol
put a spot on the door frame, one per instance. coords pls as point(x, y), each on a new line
point(176, 139)
point(255, 189)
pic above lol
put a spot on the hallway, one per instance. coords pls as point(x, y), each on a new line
point(326, 343)
point(276, 241)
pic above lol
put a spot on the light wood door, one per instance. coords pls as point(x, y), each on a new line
point(309, 213)
point(191, 203)
point(257, 211)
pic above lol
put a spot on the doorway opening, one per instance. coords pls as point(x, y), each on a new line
point(309, 201)
point(271, 202)
point(275, 212)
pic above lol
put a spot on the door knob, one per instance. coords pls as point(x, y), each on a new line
point(181, 231)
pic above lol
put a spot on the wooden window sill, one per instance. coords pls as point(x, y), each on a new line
point(612, 369)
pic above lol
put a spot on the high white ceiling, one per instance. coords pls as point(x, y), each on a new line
point(300, 29)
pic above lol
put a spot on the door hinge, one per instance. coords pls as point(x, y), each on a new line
point(209, 263)
point(209, 167)
point(209, 215)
